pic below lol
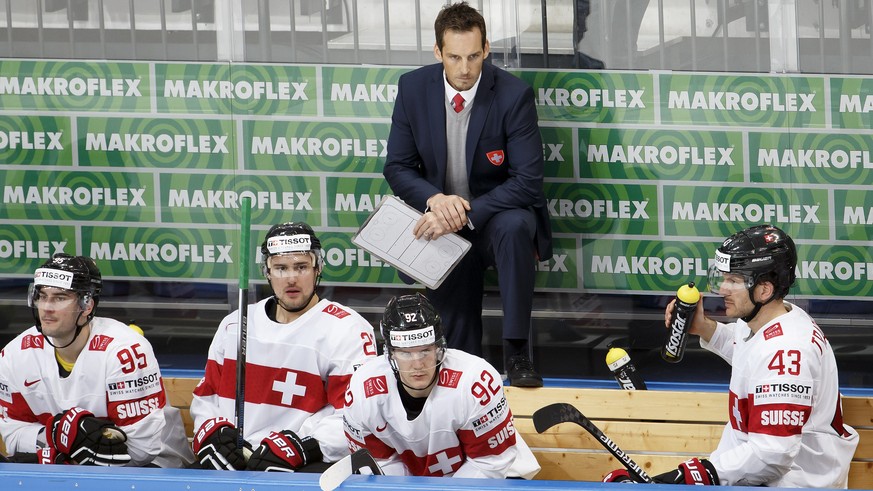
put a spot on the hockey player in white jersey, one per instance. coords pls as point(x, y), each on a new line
point(785, 424)
point(300, 354)
point(426, 410)
point(81, 389)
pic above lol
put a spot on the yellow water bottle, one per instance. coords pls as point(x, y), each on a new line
point(680, 320)
point(623, 370)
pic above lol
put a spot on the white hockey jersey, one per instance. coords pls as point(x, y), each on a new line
point(116, 377)
point(465, 428)
point(296, 373)
point(786, 427)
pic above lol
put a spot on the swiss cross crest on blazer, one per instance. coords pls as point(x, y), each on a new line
point(496, 157)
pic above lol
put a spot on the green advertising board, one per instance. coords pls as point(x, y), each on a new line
point(592, 97)
point(657, 155)
point(143, 165)
point(316, 146)
point(236, 89)
point(367, 92)
point(35, 140)
point(720, 211)
point(155, 142)
point(39, 85)
point(742, 100)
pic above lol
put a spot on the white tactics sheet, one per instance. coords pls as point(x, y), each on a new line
point(387, 234)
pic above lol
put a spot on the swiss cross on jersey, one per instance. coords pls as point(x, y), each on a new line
point(496, 157)
point(445, 462)
point(738, 412)
point(276, 386)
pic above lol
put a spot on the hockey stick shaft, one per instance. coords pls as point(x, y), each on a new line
point(561, 412)
point(245, 229)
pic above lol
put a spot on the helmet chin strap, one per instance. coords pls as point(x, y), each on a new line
point(305, 304)
point(79, 328)
point(436, 374)
point(294, 311)
point(751, 315)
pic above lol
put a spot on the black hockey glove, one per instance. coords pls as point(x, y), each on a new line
point(215, 446)
point(76, 436)
point(618, 475)
point(284, 452)
point(699, 472)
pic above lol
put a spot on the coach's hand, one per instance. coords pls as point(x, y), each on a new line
point(284, 452)
point(76, 436)
point(448, 213)
point(215, 445)
point(699, 472)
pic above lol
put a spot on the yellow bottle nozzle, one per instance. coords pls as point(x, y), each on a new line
point(615, 354)
point(136, 329)
point(688, 293)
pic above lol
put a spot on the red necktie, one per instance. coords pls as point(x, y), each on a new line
point(458, 103)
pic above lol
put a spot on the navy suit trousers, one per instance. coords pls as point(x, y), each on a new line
point(507, 243)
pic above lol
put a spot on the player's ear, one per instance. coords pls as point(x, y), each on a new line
point(86, 304)
point(437, 53)
point(766, 290)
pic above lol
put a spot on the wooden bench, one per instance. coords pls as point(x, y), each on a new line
point(658, 429)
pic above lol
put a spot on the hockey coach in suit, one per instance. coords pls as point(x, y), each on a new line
point(465, 149)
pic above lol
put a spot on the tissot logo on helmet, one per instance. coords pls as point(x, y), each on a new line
point(417, 337)
point(289, 243)
point(53, 277)
point(722, 261)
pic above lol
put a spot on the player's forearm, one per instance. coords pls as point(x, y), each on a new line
point(491, 467)
point(328, 431)
point(746, 465)
point(393, 466)
point(144, 438)
point(721, 342)
point(21, 437)
point(706, 328)
point(205, 407)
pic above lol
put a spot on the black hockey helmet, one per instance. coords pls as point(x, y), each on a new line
point(410, 321)
point(759, 253)
point(291, 237)
point(78, 274)
point(75, 273)
point(96, 278)
point(756, 252)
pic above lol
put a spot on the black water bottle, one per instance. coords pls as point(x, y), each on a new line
point(623, 370)
point(680, 320)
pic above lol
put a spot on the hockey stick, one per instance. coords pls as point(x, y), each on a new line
point(561, 412)
point(345, 467)
point(242, 340)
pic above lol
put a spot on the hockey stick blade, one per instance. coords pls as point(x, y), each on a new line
point(561, 412)
point(336, 474)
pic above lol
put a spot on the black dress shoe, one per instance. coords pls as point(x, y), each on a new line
point(521, 372)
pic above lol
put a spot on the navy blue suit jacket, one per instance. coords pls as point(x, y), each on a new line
point(503, 119)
